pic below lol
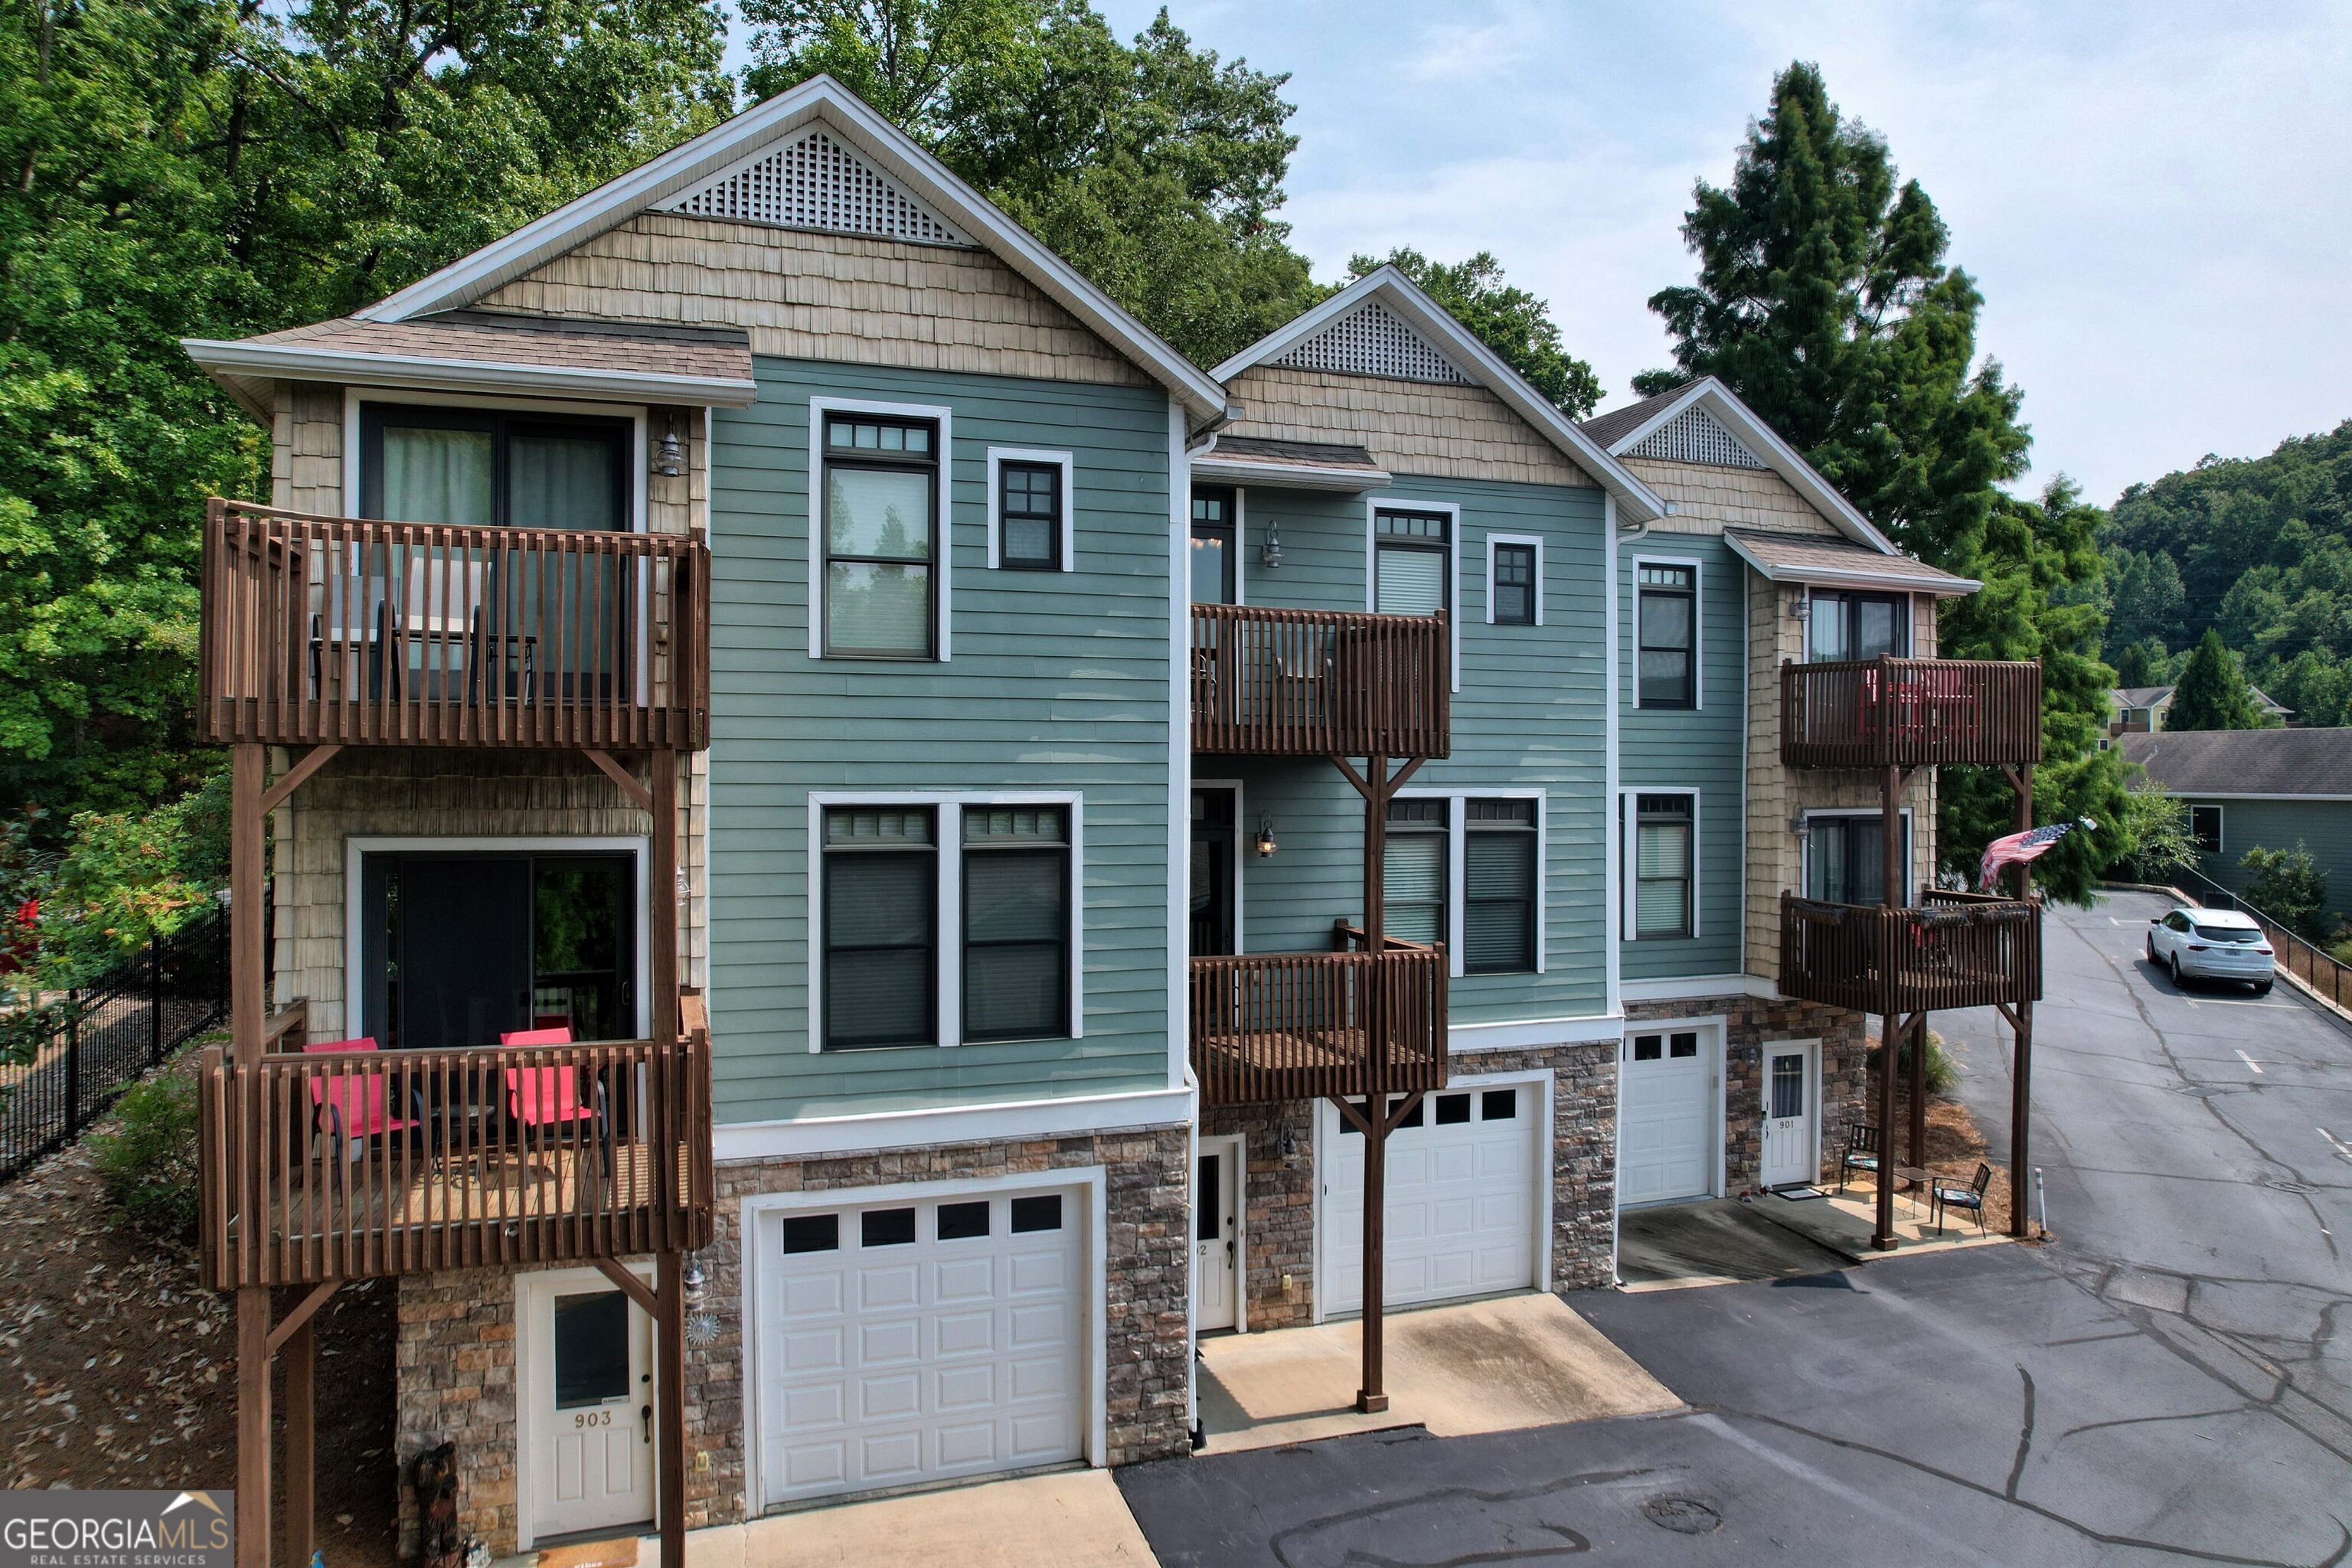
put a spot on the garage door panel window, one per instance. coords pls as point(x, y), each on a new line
point(1037, 1214)
point(1498, 873)
point(1665, 887)
point(881, 880)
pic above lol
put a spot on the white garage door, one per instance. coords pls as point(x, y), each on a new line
point(1463, 1172)
point(915, 1341)
point(1665, 1121)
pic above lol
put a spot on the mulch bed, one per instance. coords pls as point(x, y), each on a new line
point(118, 1368)
point(1953, 1147)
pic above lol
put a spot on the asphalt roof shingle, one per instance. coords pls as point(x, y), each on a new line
point(2246, 761)
point(505, 338)
point(1607, 428)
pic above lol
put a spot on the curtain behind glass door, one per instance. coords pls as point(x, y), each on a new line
point(568, 621)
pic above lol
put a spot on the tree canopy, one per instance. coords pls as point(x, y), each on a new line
point(1515, 323)
point(2212, 693)
point(1824, 299)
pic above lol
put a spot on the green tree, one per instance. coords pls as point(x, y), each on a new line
point(2143, 663)
point(2212, 693)
point(2288, 886)
point(2145, 598)
point(1515, 323)
point(1149, 166)
point(2159, 840)
point(1825, 300)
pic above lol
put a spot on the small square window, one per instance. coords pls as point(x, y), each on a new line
point(1682, 1046)
point(1037, 1214)
point(1498, 1105)
point(1515, 586)
point(886, 1227)
point(1029, 516)
point(1649, 1047)
point(1453, 1109)
point(812, 1231)
point(961, 1222)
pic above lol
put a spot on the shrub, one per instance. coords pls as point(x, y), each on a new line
point(2288, 886)
point(1942, 1076)
point(147, 1165)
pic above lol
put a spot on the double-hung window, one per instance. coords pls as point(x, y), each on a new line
point(1412, 562)
point(1499, 867)
point(1516, 586)
point(881, 537)
point(1016, 922)
point(881, 926)
point(1666, 835)
point(2205, 827)
point(1666, 636)
point(1843, 625)
point(1029, 516)
point(1413, 872)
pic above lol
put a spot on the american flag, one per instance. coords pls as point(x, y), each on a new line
point(2019, 849)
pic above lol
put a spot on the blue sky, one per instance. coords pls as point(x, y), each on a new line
point(2156, 199)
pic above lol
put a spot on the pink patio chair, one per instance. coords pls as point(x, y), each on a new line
point(550, 1096)
point(352, 1106)
point(365, 1043)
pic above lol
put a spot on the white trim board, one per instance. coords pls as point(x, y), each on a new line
point(1180, 756)
point(1466, 1039)
point(1451, 511)
point(1699, 631)
point(801, 1137)
point(301, 362)
point(1835, 577)
point(1699, 987)
point(637, 846)
point(999, 456)
point(942, 567)
point(1536, 542)
point(764, 124)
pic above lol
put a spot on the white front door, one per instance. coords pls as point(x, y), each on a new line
point(1216, 1230)
point(919, 1340)
point(1665, 1121)
point(1790, 1157)
point(1463, 1179)
point(591, 1416)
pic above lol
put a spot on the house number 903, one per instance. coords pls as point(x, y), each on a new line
point(592, 1418)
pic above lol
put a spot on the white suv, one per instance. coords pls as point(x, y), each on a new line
point(2210, 944)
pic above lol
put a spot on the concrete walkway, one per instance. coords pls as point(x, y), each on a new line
point(1725, 1241)
point(1481, 1366)
point(1071, 1518)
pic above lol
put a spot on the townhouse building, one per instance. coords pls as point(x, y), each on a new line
point(857, 852)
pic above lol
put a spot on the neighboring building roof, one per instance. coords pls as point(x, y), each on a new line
point(500, 351)
point(1448, 351)
point(1623, 430)
point(2160, 697)
point(1301, 465)
point(1833, 563)
point(691, 177)
point(2224, 764)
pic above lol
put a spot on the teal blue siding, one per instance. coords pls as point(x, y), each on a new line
point(1704, 750)
point(2322, 827)
point(1058, 681)
point(1530, 715)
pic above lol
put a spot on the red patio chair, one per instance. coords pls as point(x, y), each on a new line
point(550, 1096)
point(355, 1105)
point(365, 1043)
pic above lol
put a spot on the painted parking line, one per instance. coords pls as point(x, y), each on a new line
point(2250, 1061)
point(2343, 1150)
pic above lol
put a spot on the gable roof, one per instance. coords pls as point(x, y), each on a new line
point(1837, 563)
point(2315, 765)
point(1403, 301)
point(701, 167)
point(2161, 697)
point(1622, 429)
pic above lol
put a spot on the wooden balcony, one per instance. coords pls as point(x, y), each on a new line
point(1301, 1026)
point(1910, 713)
point(1319, 683)
point(1959, 950)
point(327, 630)
point(451, 1176)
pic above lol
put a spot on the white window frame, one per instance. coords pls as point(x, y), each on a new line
point(944, 567)
point(999, 456)
point(1373, 507)
point(1698, 633)
point(1629, 838)
point(2220, 826)
point(1534, 539)
point(947, 927)
point(1805, 820)
point(1457, 871)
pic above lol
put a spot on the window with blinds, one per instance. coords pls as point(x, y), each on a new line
point(1411, 556)
point(881, 899)
point(1413, 872)
point(1666, 634)
point(1016, 922)
point(1498, 887)
point(1665, 830)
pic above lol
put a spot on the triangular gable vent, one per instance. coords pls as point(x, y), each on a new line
point(1694, 435)
point(1372, 342)
point(815, 181)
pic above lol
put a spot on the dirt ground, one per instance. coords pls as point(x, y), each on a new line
point(118, 1369)
point(1953, 1147)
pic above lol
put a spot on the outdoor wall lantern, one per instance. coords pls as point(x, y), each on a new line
point(671, 461)
point(1269, 555)
point(1266, 844)
point(1800, 607)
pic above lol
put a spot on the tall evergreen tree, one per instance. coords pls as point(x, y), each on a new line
point(1825, 300)
point(2212, 693)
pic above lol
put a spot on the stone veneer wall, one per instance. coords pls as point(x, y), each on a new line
point(456, 1346)
point(1750, 1024)
point(1279, 1197)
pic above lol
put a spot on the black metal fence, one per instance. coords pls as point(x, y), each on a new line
point(84, 1046)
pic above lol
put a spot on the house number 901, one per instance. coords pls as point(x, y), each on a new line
point(592, 1418)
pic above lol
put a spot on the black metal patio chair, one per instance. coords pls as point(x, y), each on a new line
point(1944, 1194)
point(1863, 1147)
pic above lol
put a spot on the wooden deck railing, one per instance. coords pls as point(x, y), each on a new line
point(1958, 949)
point(1298, 1025)
point(344, 630)
point(1910, 713)
point(1319, 683)
point(346, 1165)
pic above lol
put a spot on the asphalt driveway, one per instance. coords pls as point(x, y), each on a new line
point(2169, 1381)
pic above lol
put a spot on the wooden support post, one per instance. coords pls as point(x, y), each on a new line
point(300, 1357)
point(253, 1434)
point(661, 905)
point(1371, 1393)
point(247, 895)
point(1891, 871)
point(1915, 1030)
point(669, 1403)
point(2020, 1074)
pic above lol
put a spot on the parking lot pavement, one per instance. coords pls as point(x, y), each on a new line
point(2168, 1381)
